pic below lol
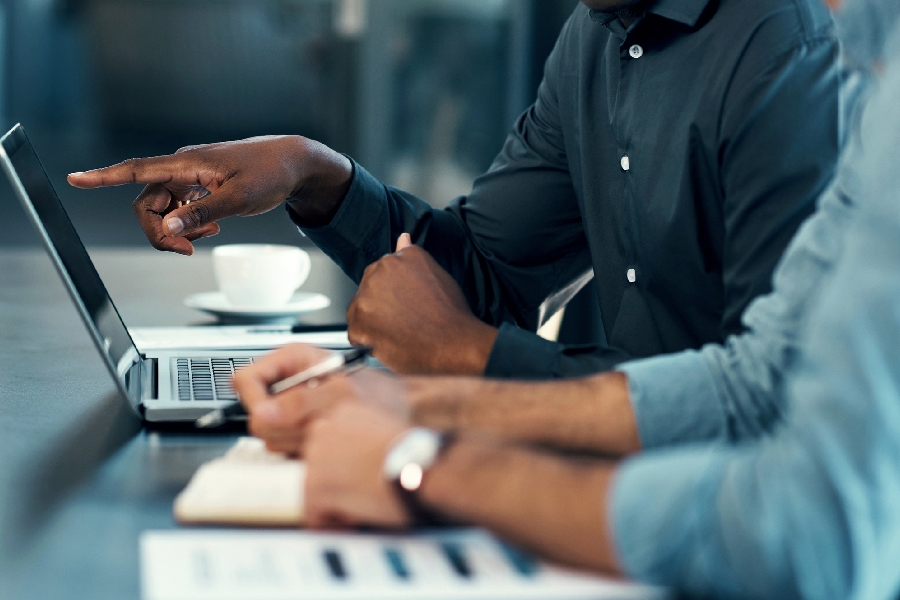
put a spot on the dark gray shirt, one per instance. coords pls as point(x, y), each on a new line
point(673, 161)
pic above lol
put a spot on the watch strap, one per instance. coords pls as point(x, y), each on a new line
point(422, 515)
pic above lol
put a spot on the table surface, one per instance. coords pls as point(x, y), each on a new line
point(80, 477)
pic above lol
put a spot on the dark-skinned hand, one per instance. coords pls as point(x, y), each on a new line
point(415, 318)
point(187, 192)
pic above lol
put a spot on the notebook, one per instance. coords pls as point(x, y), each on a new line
point(247, 486)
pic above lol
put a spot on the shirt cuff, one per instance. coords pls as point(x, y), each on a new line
point(521, 354)
point(674, 399)
point(362, 212)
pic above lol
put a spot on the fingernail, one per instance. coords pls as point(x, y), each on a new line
point(174, 224)
point(269, 411)
point(76, 173)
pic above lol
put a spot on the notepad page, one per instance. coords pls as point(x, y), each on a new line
point(247, 486)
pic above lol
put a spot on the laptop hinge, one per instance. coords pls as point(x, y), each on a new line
point(149, 379)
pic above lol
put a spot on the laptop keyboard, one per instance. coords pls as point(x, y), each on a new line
point(207, 378)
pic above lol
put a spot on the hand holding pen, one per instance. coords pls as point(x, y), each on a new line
point(337, 363)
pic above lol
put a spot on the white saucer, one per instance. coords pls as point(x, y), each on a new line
point(215, 303)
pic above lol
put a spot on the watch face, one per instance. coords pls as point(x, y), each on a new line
point(410, 477)
point(418, 446)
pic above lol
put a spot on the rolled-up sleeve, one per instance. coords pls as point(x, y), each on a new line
point(733, 391)
point(810, 512)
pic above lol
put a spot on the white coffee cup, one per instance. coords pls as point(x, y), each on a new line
point(260, 276)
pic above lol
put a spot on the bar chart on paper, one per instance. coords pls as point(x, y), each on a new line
point(302, 565)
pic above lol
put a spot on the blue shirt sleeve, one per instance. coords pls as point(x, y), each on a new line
point(812, 510)
point(733, 391)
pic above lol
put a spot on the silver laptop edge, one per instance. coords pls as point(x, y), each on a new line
point(146, 382)
point(20, 192)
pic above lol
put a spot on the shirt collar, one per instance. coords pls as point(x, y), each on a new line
point(683, 11)
point(869, 29)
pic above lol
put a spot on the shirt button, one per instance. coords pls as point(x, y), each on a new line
point(636, 51)
point(626, 164)
point(631, 275)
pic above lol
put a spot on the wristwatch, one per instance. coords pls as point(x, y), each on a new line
point(406, 463)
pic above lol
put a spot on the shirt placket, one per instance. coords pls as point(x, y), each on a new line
point(631, 54)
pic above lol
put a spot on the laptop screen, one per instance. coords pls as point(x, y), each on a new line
point(34, 189)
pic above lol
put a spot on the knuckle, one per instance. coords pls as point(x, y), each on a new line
point(416, 254)
point(350, 315)
point(358, 335)
point(354, 337)
point(363, 306)
point(141, 208)
point(372, 268)
point(133, 165)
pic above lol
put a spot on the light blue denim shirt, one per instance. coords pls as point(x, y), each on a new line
point(813, 509)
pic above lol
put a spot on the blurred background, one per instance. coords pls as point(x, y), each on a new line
point(420, 92)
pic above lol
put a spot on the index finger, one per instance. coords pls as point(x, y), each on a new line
point(158, 169)
point(252, 383)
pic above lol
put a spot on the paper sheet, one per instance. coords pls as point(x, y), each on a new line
point(303, 565)
point(227, 337)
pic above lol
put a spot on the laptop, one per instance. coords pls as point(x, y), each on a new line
point(161, 385)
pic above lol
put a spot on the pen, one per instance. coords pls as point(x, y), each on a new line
point(315, 328)
point(339, 362)
point(216, 417)
point(300, 328)
point(344, 362)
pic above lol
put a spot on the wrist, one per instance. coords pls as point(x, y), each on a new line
point(555, 506)
point(468, 469)
point(441, 402)
point(406, 464)
point(469, 356)
point(322, 178)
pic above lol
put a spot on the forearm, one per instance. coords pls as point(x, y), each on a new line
point(553, 506)
point(592, 414)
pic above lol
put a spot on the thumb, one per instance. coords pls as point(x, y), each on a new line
point(403, 241)
point(222, 203)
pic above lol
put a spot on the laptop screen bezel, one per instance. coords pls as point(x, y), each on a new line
point(11, 143)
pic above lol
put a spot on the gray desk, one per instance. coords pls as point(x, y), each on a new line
point(79, 477)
